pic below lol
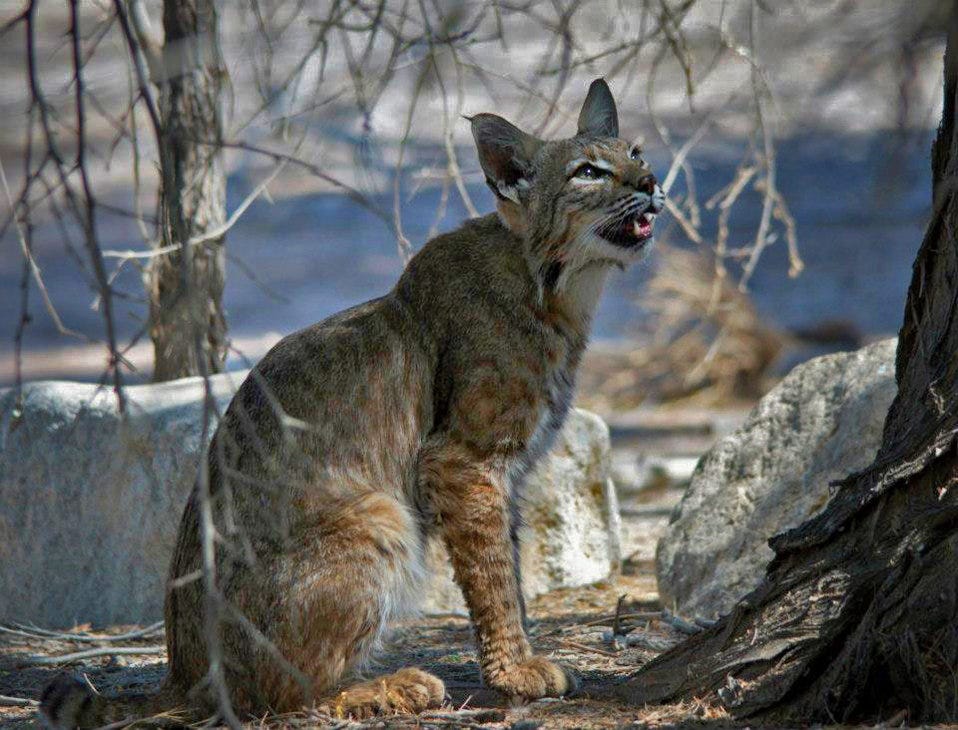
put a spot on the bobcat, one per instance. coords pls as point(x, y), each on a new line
point(416, 413)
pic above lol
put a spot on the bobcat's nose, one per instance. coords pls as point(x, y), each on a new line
point(646, 184)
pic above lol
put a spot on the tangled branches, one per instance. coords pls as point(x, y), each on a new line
point(362, 96)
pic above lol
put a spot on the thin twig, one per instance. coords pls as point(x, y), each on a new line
point(89, 227)
point(585, 647)
point(605, 620)
point(768, 200)
point(31, 661)
point(38, 633)
point(210, 235)
point(6, 701)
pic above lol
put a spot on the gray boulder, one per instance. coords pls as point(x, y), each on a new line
point(822, 422)
point(90, 503)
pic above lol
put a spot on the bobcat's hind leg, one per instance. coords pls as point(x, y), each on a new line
point(352, 571)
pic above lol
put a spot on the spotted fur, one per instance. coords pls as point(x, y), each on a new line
point(416, 414)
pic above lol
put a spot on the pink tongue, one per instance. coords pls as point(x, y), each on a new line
point(645, 227)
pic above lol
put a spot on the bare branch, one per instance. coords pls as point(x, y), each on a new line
point(40, 661)
point(7, 701)
point(92, 244)
point(149, 41)
point(35, 632)
point(31, 263)
point(210, 235)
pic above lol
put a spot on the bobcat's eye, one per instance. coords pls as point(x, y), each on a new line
point(635, 153)
point(590, 172)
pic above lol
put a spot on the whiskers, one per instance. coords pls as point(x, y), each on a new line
point(630, 207)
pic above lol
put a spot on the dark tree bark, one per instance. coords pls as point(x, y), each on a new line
point(858, 615)
point(187, 322)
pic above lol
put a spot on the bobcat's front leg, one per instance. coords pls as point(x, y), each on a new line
point(473, 505)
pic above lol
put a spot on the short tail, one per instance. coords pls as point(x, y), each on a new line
point(70, 702)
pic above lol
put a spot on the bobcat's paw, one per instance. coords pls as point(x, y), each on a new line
point(406, 691)
point(533, 679)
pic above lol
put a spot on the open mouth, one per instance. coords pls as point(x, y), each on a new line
point(632, 232)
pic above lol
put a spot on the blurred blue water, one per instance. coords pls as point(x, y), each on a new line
point(860, 207)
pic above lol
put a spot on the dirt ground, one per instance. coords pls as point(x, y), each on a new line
point(572, 626)
point(568, 626)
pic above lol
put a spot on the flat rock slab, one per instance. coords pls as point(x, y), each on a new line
point(821, 423)
point(90, 503)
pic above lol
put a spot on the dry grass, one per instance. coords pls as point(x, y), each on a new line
point(708, 343)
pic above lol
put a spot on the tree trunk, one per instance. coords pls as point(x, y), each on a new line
point(858, 616)
point(187, 322)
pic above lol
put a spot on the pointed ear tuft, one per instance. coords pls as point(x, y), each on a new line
point(505, 151)
point(599, 117)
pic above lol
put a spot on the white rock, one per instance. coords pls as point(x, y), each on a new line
point(634, 471)
point(822, 422)
point(89, 505)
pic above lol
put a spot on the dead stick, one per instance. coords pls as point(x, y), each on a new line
point(88, 654)
point(616, 625)
point(34, 632)
point(680, 624)
point(17, 702)
point(641, 616)
point(586, 647)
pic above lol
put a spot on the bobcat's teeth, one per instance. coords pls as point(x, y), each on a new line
point(642, 226)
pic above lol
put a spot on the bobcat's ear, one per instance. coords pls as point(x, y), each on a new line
point(599, 117)
point(505, 154)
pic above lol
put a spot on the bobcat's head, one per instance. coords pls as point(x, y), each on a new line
point(578, 202)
